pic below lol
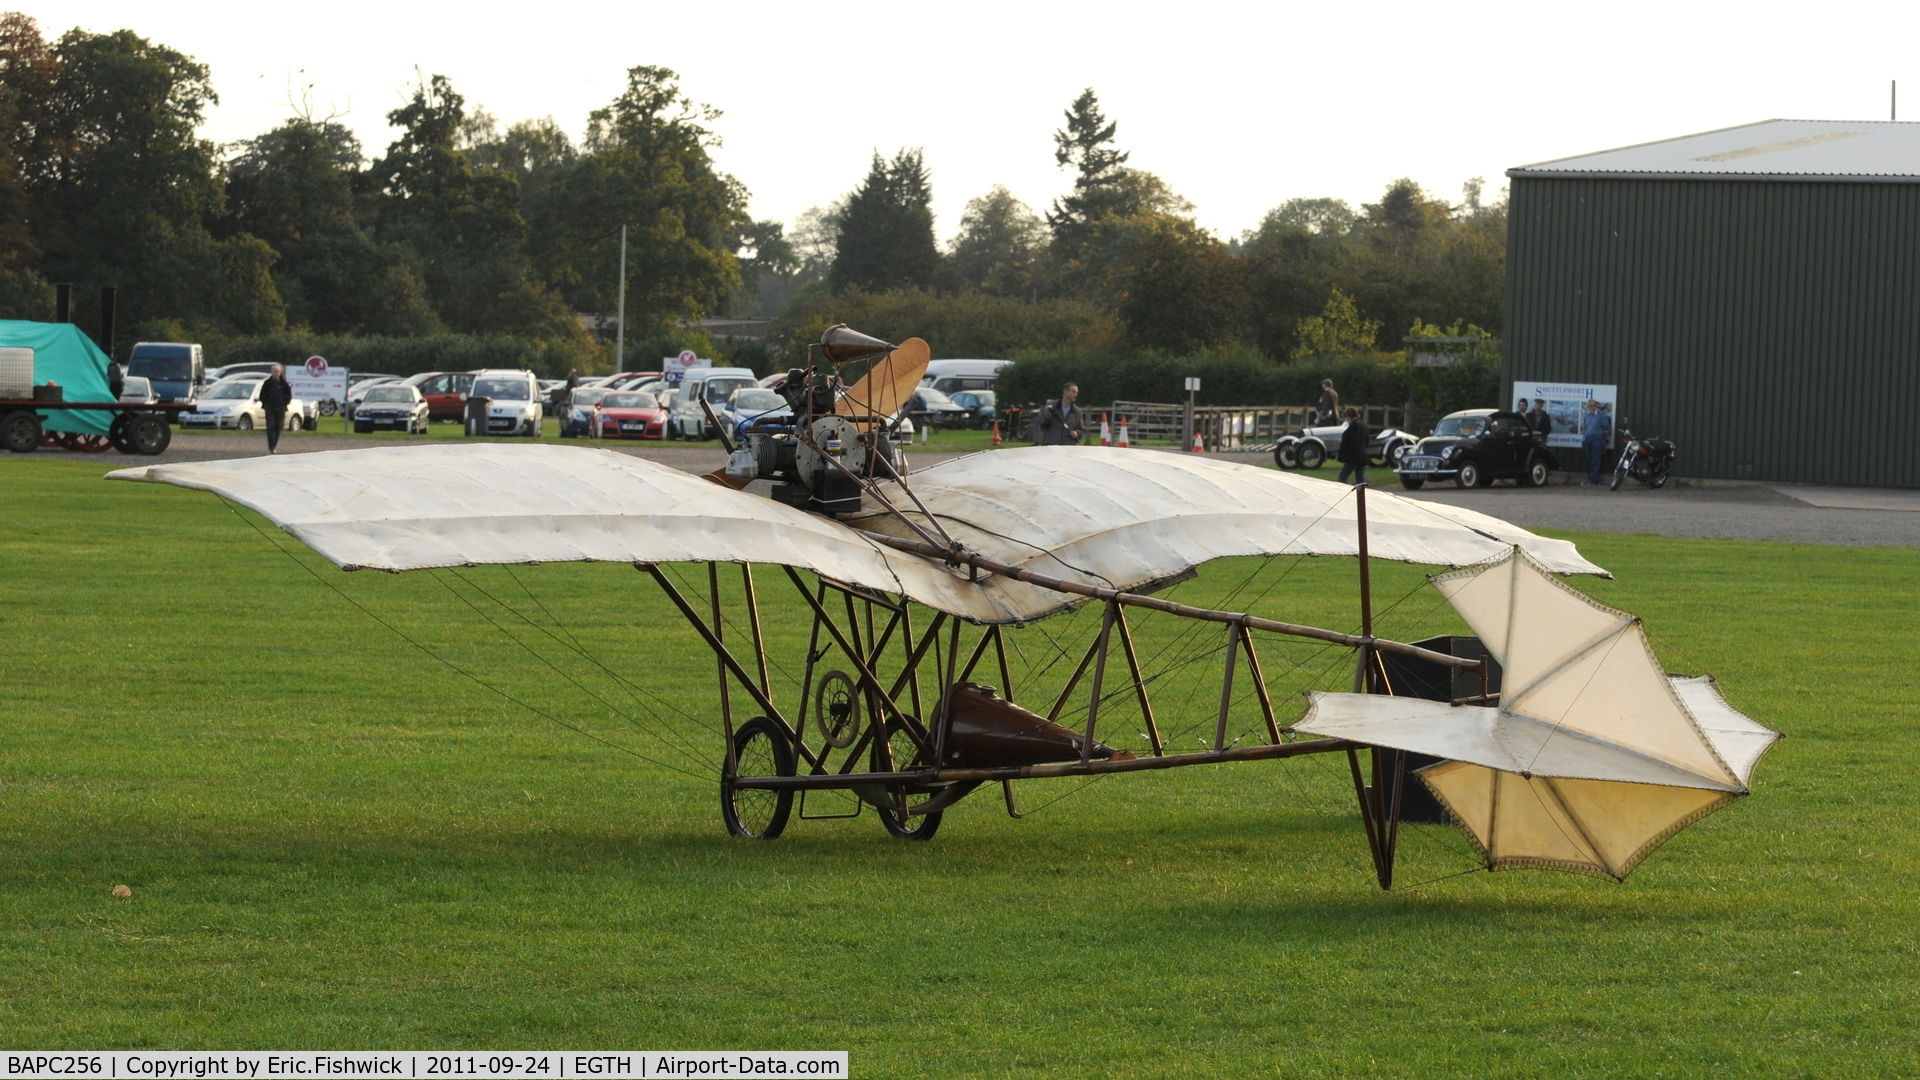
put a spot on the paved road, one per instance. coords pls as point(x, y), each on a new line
point(1854, 517)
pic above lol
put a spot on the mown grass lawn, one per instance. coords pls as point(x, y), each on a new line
point(333, 841)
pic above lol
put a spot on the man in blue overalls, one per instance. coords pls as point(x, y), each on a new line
point(1593, 439)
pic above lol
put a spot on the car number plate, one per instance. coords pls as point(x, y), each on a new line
point(633, 427)
point(1419, 464)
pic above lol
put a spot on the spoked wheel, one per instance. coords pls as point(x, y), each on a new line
point(906, 756)
point(1309, 454)
point(1286, 455)
point(835, 709)
point(760, 748)
point(85, 444)
point(1619, 474)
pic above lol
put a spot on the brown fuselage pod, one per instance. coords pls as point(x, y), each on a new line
point(990, 732)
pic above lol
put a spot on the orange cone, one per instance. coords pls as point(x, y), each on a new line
point(1123, 441)
point(1199, 444)
point(1106, 435)
point(996, 434)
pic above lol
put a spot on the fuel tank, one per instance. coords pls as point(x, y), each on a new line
point(990, 732)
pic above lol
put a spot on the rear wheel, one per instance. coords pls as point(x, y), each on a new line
point(760, 748)
point(246, 423)
point(1537, 473)
point(1659, 479)
point(117, 433)
point(1310, 454)
point(1471, 475)
point(149, 434)
point(905, 754)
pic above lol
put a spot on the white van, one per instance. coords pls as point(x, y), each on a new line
point(951, 376)
point(714, 385)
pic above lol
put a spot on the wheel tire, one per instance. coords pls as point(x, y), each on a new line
point(149, 434)
point(1413, 483)
point(1286, 455)
point(1310, 454)
point(1659, 479)
point(20, 431)
point(246, 423)
point(1471, 475)
point(117, 434)
point(1537, 473)
point(760, 748)
point(1619, 474)
point(901, 748)
point(328, 407)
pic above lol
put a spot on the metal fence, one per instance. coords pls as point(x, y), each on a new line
point(1228, 427)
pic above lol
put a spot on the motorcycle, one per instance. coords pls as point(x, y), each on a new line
point(1646, 460)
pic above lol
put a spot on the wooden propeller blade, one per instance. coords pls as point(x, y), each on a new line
point(890, 383)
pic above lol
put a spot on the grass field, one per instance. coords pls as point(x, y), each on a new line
point(334, 842)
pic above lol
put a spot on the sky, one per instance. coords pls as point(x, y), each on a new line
point(1239, 106)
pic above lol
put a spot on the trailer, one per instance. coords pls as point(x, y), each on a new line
point(133, 429)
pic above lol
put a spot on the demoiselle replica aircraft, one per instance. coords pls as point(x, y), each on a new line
point(1590, 757)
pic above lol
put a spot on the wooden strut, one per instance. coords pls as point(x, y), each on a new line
point(858, 660)
point(1068, 768)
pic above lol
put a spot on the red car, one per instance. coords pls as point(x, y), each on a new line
point(629, 414)
point(445, 391)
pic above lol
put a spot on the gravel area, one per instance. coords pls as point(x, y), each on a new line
point(1852, 517)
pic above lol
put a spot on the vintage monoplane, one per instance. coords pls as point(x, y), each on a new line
point(1553, 737)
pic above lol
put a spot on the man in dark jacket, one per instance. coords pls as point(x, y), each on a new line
point(1539, 421)
point(275, 396)
point(1061, 424)
point(116, 379)
point(1328, 410)
point(1352, 454)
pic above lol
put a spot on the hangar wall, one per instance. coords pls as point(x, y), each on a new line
point(1770, 328)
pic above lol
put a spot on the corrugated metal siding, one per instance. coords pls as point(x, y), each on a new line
point(1771, 329)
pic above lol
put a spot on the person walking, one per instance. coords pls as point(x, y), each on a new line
point(1328, 411)
point(1593, 439)
point(1062, 424)
point(275, 396)
point(1352, 454)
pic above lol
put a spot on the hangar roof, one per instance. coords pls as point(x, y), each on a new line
point(1859, 150)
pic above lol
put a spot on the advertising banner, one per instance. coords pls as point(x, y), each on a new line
point(317, 380)
point(1567, 404)
point(675, 368)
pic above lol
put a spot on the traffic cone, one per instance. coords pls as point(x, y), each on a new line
point(1199, 444)
point(1123, 442)
point(1106, 436)
point(996, 434)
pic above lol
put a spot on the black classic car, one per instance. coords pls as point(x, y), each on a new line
point(1474, 448)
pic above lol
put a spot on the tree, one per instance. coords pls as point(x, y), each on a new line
point(647, 164)
point(1338, 331)
point(997, 247)
point(1321, 217)
point(293, 188)
point(1085, 146)
point(537, 152)
point(885, 240)
point(462, 224)
point(1176, 286)
point(1396, 224)
point(120, 189)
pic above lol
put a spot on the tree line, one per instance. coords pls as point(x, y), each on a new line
point(463, 226)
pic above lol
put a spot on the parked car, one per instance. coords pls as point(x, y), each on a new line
point(752, 404)
point(935, 409)
point(1474, 448)
point(445, 391)
point(577, 421)
point(358, 391)
point(175, 368)
point(513, 401)
point(228, 404)
point(632, 380)
point(1309, 447)
point(952, 376)
point(392, 406)
point(630, 414)
point(715, 386)
point(979, 405)
point(137, 390)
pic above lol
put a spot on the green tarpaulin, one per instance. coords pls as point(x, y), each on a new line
point(62, 354)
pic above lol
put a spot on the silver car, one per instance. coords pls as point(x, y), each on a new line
point(392, 407)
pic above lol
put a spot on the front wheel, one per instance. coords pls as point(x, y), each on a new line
point(117, 433)
point(1619, 474)
point(1287, 455)
point(149, 434)
point(901, 749)
point(760, 748)
point(1413, 483)
point(1470, 475)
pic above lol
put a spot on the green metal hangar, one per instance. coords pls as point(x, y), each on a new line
point(1752, 293)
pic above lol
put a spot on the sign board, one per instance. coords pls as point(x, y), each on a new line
point(675, 368)
point(317, 380)
point(1567, 404)
point(1193, 384)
